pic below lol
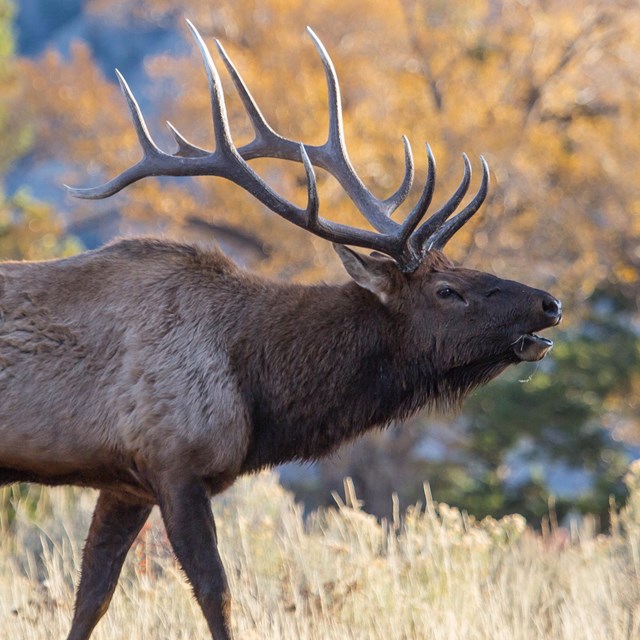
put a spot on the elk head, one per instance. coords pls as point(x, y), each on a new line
point(474, 319)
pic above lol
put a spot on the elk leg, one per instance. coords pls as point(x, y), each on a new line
point(191, 529)
point(116, 522)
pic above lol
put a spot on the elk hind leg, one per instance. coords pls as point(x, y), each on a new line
point(116, 522)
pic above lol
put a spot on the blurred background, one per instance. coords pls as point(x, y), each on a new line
point(547, 90)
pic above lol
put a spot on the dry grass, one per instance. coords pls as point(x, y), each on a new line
point(338, 575)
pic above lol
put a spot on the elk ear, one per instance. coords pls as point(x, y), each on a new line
point(374, 272)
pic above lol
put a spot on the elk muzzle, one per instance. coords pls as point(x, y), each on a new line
point(529, 346)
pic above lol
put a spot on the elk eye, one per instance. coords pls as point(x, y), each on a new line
point(447, 292)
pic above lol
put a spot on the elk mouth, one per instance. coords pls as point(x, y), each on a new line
point(530, 347)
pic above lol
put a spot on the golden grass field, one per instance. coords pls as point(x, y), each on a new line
point(340, 574)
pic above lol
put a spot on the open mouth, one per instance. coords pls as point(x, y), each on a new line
point(530, 347)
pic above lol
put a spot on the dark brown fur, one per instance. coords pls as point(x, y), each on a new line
point(158, 373)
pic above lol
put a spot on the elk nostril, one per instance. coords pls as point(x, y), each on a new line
point(552, 307)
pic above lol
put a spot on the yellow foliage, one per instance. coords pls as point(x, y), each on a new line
point(29, 230)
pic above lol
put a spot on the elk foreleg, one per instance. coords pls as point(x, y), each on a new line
point(186, 511)
point(116, 522)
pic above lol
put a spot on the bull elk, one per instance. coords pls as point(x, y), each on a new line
point(158, 373)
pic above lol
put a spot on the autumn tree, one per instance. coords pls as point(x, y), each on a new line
point(28, 228)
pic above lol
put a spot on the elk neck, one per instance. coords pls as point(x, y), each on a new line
point(318, 366)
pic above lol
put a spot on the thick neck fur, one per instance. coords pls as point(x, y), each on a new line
point(321, 365)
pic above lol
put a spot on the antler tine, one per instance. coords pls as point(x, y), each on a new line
point(185, 148)
point(417, 213)
point(149, 147)
point(440, 237)
point(266, 142)
point(144, 168)
point(434, 222)
point(335, 158)
point(396, 199)
point(221, 131)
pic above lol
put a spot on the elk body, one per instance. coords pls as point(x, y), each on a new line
point(158, 373)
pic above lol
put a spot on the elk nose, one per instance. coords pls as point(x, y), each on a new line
point(552, 308)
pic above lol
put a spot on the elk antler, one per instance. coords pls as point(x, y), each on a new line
point(405, 242)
